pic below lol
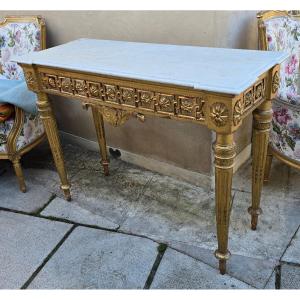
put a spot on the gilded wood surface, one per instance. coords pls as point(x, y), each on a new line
point(161, 100)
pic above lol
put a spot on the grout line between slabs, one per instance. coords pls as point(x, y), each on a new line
point(161, 251)
point(48, 257)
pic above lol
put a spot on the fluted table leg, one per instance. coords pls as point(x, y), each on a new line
point(262, 117)
point(224, 160)
point(49, 122)
point(99, 126)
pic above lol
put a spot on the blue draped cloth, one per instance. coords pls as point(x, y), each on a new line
point(16, 92)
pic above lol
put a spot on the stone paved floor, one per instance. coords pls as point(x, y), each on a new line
point(139, 229)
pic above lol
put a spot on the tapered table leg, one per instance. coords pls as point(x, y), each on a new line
point(262, 117)
point(49, 122)
point(224, 160)
point(99, 126)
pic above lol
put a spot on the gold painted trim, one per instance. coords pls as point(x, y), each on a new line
point(151, 98)
point(285, 159)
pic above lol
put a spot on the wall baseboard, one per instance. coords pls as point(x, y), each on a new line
point(202, 180)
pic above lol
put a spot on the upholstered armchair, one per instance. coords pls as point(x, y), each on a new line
point(22, 131)
point(280, 31)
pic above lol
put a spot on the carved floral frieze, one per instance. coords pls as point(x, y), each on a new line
point(169, 104)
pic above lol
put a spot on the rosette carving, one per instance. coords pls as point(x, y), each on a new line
point(219, 114)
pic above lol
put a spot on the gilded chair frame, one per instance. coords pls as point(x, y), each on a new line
point(263, 45)
point(12, 153)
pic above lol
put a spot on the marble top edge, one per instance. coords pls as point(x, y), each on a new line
point(223, 85)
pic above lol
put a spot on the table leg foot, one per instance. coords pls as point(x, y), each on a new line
point(254, 216)
point(222, 266)
point(66, 191)
point(105, 165)
point(222, 257)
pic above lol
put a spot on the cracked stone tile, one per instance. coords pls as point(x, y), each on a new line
point(179, 271)
point(293, 186)
point(35, 197)
point(277, 183)
point(172, 210)
point(255, 272)
point(97, 259)
point(72, 211)
point(110, 196)
point(292, 253)
point(25, 242)
point(290, 277)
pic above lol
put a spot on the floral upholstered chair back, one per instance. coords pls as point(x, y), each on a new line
point(17, 38)
point(283, 34)
point(279, 31)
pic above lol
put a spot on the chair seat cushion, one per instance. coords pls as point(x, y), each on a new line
point(31, 130)
point(285, 130)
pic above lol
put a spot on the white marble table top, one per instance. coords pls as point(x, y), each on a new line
point(211, 69)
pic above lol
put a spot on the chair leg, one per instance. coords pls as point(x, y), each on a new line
point(19, 174)
point(268, 165)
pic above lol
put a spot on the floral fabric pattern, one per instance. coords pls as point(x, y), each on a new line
point(31, 130)
point(283, 34)
point(17, 39)
point(5, 128)
point(285, 130)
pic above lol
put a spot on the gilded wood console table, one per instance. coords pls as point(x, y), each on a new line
point(213, 87)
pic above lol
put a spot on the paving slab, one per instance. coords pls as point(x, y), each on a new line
point(97, 259)
point(25, 242)
point(253, 271)
point(110, 196)
point(179, 271)
point(292, 253)
point(72, 211)
point(278, 181)
point(290, 277)
point(35, 197)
